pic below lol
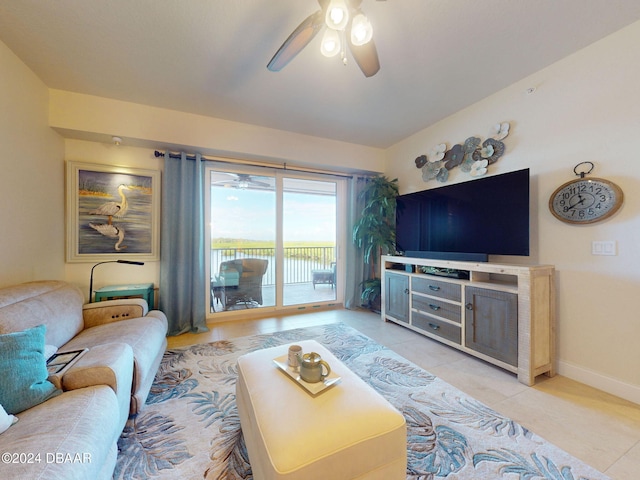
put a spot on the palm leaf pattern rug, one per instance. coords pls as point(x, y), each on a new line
point(190, 426)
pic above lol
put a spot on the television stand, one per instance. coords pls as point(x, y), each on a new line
point(502, 314)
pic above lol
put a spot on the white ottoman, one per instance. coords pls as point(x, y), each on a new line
point(348, 431)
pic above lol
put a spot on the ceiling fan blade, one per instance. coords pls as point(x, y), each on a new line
point(299, 39)
point(258, 183)
point(223, 177)
point(244, 178)
point(366, 56)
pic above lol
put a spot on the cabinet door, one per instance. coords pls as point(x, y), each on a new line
point(491, 323)
point(397, 296)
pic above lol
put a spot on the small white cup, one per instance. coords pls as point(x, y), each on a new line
point(295, 353)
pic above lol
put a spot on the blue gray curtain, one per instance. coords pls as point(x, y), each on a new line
point(182, 268)
point(356, 269)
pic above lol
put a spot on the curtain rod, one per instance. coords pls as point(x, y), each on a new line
point(159, 154)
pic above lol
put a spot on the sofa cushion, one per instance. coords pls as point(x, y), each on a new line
point(55, 304)
point(49, 351)
point(147, 338)
point(74, 435)
point(23, 383)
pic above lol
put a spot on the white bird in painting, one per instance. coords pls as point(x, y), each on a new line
point(111, 231)
point(113, 209)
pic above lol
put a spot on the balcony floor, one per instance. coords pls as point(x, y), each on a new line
point(294, 294)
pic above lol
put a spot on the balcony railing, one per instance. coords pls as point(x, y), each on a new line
point(298, 261)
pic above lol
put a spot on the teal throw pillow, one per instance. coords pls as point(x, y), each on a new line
point(23, 382)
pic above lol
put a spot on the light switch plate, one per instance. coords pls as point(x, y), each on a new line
point(606, 247)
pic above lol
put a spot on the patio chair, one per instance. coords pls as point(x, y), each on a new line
point(248, 291)
point(227, 278)
point(326, 276)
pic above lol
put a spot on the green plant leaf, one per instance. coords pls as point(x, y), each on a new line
point(374, 232)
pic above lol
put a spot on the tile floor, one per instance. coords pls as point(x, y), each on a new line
point(598, 428)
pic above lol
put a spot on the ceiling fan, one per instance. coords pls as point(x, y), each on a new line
point(237, 180)
point(344, 24)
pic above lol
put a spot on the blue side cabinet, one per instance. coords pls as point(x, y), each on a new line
point(139, 290)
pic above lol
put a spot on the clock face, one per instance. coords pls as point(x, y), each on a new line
point(585, 200)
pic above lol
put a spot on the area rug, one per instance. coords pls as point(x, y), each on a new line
point(190, 428)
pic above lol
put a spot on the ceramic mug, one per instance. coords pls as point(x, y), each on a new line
point(293, 359)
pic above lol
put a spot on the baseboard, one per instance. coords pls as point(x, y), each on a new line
point(601, 382)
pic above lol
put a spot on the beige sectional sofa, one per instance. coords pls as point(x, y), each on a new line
point(73, 432)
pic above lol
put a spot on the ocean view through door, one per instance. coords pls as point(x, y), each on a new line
point(273, 240)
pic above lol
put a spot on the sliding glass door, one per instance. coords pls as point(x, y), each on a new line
point(309, 240)
point(243, 241)
point(274, 240)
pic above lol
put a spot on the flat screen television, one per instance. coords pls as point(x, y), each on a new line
point(466, 221)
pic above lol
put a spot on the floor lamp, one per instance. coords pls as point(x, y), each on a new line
point(128, 262)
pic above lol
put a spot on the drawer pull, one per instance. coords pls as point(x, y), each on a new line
point(434, 326)
point(406, 290)
point(469, 306)
point(434, 307)
point(434, 288)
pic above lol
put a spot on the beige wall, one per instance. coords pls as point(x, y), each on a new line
point(585, 108)
point(96, 118)
point(31, 179)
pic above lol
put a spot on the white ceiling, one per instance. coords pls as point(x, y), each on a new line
point(209, 57)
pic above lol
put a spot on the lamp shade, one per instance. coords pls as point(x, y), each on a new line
point(330, 45)
point(337, 15)
point(361, 30)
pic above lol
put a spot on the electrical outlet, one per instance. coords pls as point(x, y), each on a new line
point(607, 247)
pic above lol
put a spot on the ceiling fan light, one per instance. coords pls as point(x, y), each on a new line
point(337, 15)
point(361, 30)
point(330, 45)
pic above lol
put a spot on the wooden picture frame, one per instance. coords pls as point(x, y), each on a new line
point(112, 213)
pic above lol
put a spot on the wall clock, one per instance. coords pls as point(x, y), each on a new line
point(585, 200)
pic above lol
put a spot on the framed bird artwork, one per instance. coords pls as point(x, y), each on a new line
point(112, 213)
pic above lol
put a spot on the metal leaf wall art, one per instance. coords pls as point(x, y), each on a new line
point(473, 156)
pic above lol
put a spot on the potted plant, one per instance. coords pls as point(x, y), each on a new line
point(375, 232)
